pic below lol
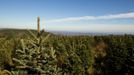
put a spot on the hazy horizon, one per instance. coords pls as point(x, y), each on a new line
point(69, 15)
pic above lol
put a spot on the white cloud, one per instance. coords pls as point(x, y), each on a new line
point(105, 17)
point(94, 28)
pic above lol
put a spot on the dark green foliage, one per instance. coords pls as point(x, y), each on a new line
point(74, 57)
point(25, 53)
point(120, 54)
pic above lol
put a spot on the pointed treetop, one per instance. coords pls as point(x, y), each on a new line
point(38, 24)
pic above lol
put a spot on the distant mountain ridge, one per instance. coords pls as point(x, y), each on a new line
point(88, 33)
point(9, 31)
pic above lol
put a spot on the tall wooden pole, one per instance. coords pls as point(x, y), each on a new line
point(38, 24)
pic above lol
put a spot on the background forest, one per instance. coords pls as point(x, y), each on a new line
point(25, 52)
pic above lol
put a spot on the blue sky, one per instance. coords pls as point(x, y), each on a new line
point(69, 15)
